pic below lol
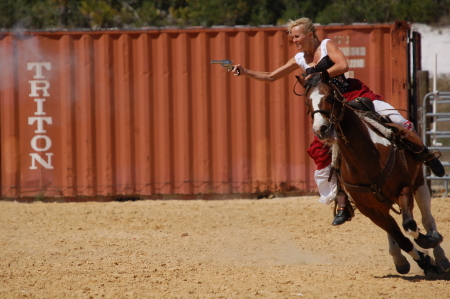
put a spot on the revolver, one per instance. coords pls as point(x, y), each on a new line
point(226, 64)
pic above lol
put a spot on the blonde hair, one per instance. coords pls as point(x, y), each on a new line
point(306, 22)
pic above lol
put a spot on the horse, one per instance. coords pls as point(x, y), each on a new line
point(376, 174)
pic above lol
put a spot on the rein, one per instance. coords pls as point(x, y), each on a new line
point(298, 80)
point(337, 96)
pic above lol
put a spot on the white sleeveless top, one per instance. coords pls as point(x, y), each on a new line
point(300, 56)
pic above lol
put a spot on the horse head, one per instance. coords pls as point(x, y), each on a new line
point(324, 105)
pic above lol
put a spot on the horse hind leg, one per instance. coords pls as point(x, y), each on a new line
point(433, 238)
point(401, 263)
point(410, 226)
point(441, 260)
point(423, 199)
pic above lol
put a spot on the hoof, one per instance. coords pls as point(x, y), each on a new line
point(432, 239)
point(432, 273)
point(424, 261)
point(403, 269)
point(443, 266)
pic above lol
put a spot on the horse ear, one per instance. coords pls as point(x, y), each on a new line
point(301, 80)
point(325, 76)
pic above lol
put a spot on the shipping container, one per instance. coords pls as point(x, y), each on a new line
point(144, 114)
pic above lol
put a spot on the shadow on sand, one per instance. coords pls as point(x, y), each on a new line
point(417, 278)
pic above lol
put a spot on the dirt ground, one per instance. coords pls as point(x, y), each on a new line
point(269, 248)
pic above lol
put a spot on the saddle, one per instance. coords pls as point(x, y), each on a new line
point(384, 127)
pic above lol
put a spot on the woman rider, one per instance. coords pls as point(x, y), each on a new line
point(315, 56)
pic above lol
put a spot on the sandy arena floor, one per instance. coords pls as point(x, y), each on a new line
point(270, 248)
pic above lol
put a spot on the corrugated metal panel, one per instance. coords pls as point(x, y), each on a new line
point(126, 113)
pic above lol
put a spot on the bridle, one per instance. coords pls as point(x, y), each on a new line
point(334, 120)
point(337, 96)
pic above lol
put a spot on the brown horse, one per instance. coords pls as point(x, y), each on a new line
point(376, 175)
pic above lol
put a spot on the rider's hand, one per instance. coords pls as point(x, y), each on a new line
point(311, 70)
point(237, 69)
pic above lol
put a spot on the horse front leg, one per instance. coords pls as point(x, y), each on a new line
point(423, 199)
point(385, 221)
point(401, 263)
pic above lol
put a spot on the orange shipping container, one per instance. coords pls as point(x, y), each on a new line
point(142, 113)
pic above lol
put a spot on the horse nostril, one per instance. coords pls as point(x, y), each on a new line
point(323, 129)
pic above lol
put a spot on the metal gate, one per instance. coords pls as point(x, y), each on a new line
point(432, 135)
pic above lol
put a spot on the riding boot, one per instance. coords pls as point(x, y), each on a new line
point(343, 213)
point(431, 161)
point(422, 153)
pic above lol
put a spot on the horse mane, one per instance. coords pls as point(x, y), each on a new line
point(314, 80)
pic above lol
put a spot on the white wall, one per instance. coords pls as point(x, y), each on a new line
point(435, 40)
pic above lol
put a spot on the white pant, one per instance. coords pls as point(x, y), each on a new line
point(385, 109)
point(328, 190)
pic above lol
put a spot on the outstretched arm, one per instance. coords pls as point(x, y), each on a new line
point(268, 77)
